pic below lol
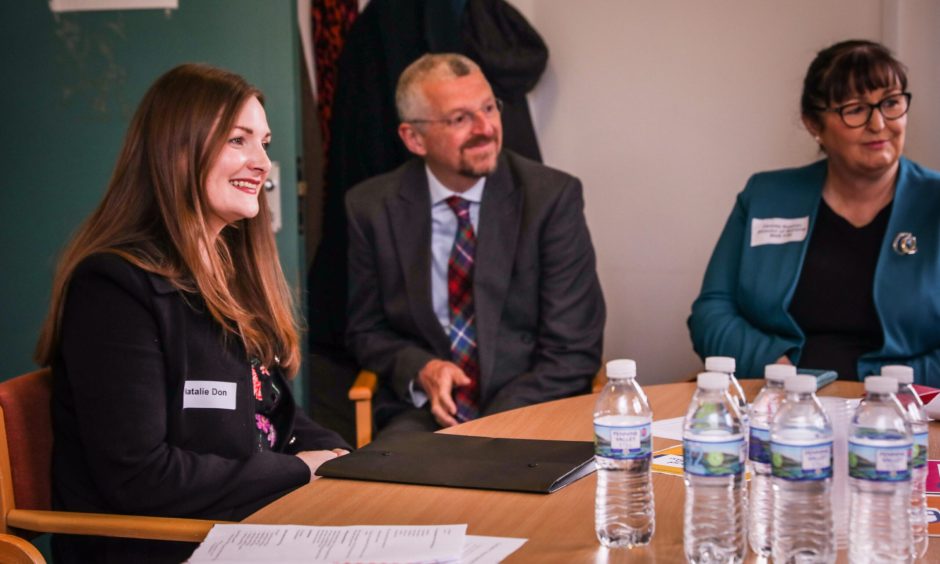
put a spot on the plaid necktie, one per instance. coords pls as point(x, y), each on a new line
point(463, 332)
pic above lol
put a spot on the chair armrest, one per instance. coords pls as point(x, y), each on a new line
point(14, 550)
point(364, 386)
point(597, 384)
point(110, 525)
point(361, 394)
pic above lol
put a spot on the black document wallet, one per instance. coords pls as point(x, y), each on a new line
point(435, 459)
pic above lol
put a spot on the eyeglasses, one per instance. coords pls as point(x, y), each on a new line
point(858, 114)
point(464, 119)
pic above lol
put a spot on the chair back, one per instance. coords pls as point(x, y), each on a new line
point(25, 443)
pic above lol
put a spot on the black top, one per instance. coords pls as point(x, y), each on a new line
point(154, 413)
point(267, 400)
point(834, 302)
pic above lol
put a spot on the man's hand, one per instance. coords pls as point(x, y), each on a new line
point(437, 379)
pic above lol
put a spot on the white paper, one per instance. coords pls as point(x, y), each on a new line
point(487, 550)
point(294, 544)
point(932, 409)
point(668, 428)
point(672, 428)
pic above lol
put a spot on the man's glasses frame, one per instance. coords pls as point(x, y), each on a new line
point(463, 119)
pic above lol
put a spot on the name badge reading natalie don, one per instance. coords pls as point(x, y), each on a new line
point(778, 230)
point(207, 394)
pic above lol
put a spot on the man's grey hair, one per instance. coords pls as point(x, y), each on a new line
point(409, 99)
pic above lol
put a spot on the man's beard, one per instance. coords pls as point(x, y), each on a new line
point(470, 169)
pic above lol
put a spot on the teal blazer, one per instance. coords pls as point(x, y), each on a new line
point(742, 310)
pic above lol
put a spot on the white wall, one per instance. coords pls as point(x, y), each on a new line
point(919, 48)
point(664, 109)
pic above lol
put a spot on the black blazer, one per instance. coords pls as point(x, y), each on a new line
point(123, 441)
point(539, 307)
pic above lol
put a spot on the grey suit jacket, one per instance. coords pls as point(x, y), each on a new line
point(539, 308)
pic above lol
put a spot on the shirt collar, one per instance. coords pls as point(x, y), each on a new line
point(439, 192)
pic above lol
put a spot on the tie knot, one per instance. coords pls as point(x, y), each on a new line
point(460, 206)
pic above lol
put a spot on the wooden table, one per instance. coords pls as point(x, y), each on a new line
point(559, 526)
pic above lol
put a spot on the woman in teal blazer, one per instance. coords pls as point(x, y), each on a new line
point(855, 105)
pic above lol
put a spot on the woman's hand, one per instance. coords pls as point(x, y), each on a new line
point(314, 458)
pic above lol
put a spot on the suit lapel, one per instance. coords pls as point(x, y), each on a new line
point(500, 218)
point(410, 220)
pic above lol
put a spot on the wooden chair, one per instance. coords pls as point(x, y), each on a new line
point(366, 383)
point(26, 488)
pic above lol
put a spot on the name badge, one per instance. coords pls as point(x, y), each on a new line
point(778, 230)
point(206, 394)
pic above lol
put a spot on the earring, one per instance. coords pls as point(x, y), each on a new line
point(817, 139)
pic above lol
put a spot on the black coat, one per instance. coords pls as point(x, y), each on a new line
point(123, 441)
point(539, 309)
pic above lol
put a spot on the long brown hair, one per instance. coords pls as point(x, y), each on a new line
point(154, 215)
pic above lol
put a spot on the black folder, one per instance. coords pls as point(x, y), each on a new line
point(435, 459)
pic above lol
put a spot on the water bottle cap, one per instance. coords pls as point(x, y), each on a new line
point(713, 381)
point(779, 372)
point(903, 374)
point(621, 368)
point(881, 385)
point(801, 384)
point(719, 364)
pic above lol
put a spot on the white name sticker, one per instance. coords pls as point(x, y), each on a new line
point(206, 394)
point(778, 230)
point(625, 439)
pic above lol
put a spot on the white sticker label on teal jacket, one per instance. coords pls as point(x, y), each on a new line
point(778, 230)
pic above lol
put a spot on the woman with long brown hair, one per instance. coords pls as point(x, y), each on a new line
point(171, 332)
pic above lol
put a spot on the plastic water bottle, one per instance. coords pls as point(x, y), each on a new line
point(760, 500)
point(726, 365)
point(914, 410)
point(714, 460)
point(801, 451)
point(880, 477)
point(624, 513)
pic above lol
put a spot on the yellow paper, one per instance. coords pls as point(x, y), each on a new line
point(669, 461)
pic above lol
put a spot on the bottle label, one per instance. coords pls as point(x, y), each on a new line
point(880, 460)
point(722, 457)
point(623, 442)
point(919, 455)
point(759, 445)
point(802, 461)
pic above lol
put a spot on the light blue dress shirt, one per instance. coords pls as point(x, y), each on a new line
point(443, 233)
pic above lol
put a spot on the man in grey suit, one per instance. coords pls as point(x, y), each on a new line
point(473, 287)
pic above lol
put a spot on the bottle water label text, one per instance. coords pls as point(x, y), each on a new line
point(801, 461)
point(623, 442)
